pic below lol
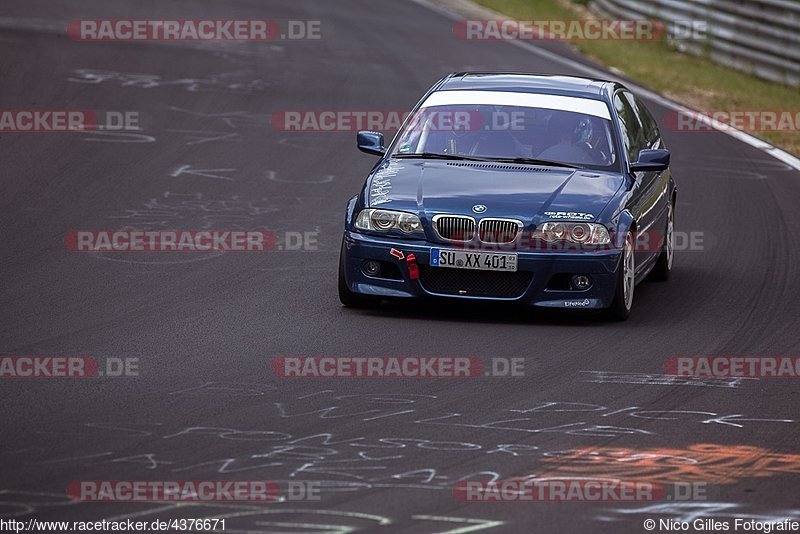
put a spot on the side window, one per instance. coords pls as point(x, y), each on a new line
point(632, 134)
point(641, 132)
point(652, 137)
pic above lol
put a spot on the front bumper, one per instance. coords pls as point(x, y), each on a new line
point(531, 286)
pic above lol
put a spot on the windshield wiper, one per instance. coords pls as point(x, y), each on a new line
point(432, 155)
point(534, 161)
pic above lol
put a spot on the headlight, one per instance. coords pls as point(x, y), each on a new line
point(581, 233)
point(387, 220)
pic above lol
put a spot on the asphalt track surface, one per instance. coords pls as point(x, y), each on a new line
point(206, 404)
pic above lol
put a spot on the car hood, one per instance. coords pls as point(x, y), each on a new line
point(524, 192)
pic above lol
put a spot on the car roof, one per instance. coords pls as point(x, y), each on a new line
point(526, 83)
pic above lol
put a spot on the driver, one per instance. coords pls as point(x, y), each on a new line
point(573, 137)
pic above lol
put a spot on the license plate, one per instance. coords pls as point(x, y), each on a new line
point(482, 261)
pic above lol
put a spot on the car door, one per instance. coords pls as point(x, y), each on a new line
point(647, 205)
point(658, 185)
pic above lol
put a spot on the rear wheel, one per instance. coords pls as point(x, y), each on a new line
point(663, 267)
point(347, 297)
point(620, 308)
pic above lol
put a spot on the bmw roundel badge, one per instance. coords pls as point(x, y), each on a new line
point(479, 208)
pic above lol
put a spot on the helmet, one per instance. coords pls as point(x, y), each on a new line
point(583, 131)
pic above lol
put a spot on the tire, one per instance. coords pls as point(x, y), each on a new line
point(663, 267)
point(347, 297)
point(620, 308)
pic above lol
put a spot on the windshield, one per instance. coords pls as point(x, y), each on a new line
point(508, 132)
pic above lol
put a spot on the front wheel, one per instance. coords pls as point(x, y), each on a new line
point(346, 296)
point(620, 308)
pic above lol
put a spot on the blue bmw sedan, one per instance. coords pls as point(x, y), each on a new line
point(546, 191)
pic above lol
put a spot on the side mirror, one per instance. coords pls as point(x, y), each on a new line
point(651, 161)
point(371, 143)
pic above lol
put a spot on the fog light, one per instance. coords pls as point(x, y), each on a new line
point(371, 268)
point(581, 282)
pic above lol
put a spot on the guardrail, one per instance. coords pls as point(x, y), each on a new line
point(760, 37)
